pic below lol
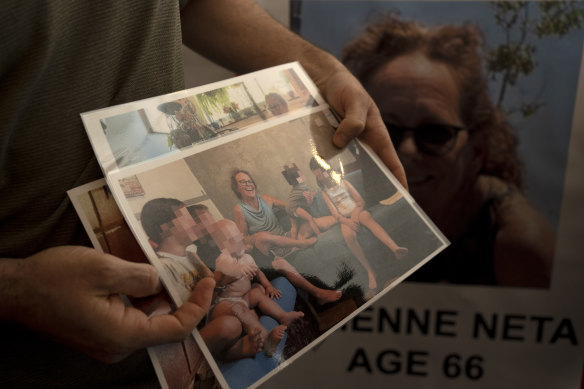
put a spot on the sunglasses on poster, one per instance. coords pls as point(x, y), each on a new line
point(432, 139)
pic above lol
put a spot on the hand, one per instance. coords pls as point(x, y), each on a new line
point(272, 292)
point(249, 270)
point(349, 223)
point(249, 243)
point(355, 216)
point(71, 294)
point(361, 117)
point(279, 45)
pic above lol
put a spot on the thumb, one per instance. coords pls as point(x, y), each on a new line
point(195, 309)
point(175, 327)
point(351, 126)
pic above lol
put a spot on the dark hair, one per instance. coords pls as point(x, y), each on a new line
point(235, 172)
point(193, 209)
point(157, 212)
point(459, 47)
point(278, 98)
point(314, 164)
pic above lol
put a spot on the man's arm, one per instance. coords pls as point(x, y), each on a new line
point(71, 294)
point(241, 36)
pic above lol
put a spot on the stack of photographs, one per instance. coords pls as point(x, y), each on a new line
point(239, 180)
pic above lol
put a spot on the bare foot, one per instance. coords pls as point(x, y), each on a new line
point(288, 317)
point(252, 343)
point(391, 199)
point(273, 339)
point(325, 296)
point(247, 346)
point(401, 252)
point(370, 294)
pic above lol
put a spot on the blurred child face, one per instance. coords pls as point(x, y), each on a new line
point(183, 228)
point(204, 220)
point(300, 179)
point(294, 175)
point(323, 178)
point(319, 174)
point(228, 237)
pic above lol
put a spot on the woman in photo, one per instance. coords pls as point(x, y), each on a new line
point(459, 153)
point(258, 222)
point(261, 229)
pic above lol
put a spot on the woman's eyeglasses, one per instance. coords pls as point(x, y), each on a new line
point(432, 139)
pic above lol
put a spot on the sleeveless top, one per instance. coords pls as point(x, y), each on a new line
point(263, 219)
point(341, 198)
point(470, 259)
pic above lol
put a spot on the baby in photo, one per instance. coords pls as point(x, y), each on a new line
point(240, 296)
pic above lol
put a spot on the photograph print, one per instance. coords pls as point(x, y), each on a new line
point(178, 365)
point(140, 131)
point(300, 236)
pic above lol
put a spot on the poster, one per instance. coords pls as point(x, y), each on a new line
point(478, 335)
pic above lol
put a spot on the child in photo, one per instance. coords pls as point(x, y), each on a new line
point(347, 207)
point(206, 247)
point(208, 252)
point(240, 295)
point(304, 218)
point(171, 231)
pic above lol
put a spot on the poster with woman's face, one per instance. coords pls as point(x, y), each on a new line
point(481, 100)
point(529, 59)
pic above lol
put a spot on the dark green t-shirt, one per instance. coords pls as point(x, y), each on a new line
point(60, 58)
